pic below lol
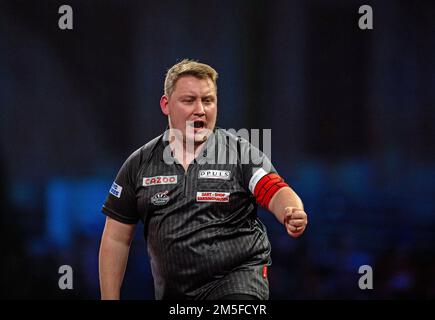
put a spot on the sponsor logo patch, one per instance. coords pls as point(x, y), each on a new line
point(160, 198)
point(116, 190)
point(213, 196)
point(214, 174)
point(153, 181)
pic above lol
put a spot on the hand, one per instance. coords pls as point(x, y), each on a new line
point(295, 221)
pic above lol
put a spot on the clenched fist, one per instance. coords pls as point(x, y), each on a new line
point(295, 221)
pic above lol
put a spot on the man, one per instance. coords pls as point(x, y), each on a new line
point(198, 206)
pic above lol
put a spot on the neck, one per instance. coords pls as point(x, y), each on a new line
point(184, 152)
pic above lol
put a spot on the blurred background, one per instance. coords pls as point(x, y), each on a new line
point(352, 114)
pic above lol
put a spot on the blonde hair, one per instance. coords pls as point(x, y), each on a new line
point(191, 68)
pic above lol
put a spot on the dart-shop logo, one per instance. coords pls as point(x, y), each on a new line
point(160, 198)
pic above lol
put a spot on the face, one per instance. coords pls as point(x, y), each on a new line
point(192, 108)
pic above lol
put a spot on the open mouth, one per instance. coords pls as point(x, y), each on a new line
point(198, 124)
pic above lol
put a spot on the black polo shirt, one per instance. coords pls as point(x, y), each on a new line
point(201, 226)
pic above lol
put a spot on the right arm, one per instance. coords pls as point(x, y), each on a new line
point(114, 249)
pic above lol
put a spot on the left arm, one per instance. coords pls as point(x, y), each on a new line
point(289, 210)
point(271, 191)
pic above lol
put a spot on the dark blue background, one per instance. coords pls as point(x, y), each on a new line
point(352, 114)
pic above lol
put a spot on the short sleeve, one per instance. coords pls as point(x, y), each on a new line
point(121, 203)
point(255, 164)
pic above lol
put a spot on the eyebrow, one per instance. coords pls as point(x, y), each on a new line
point(191, 95)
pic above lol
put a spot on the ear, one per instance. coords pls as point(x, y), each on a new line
point(164, 105)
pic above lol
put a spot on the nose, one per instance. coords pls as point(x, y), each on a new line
point(199, 109)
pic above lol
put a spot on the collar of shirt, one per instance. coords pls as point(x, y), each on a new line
point(207, 154)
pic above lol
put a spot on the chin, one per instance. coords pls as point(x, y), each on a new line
point(200, 139)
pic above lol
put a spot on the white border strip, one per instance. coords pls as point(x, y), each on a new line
point(260, 173)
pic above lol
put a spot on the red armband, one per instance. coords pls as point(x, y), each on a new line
point(266, 188)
